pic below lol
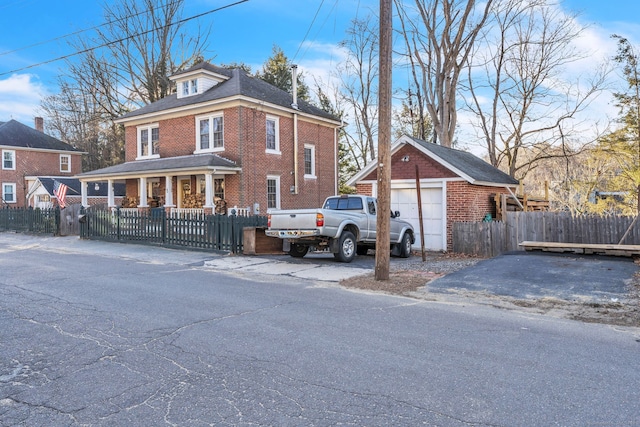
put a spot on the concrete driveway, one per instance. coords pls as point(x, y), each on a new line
point(535, 275)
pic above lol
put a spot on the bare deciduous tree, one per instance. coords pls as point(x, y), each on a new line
point(359, 74)
point(439, 36)
point(517, 66)
point(127, 64)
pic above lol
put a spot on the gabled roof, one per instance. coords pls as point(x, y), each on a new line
point(119, 190)
point(165, 165)
point(464, 164)
point(238, 84)
point(15, 134)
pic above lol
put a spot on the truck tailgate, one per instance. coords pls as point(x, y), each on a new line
point(293, 220)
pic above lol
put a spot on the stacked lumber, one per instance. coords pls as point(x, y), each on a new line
point(526, 203)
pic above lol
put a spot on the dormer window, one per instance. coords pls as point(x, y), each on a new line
point(189, 87)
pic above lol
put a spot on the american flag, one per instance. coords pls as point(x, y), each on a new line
point(60, 191)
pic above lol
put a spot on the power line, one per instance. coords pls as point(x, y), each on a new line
point(77, 32)
point(124, 38)
point(308, 30)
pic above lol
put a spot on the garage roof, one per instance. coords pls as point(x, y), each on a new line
point(462, 163)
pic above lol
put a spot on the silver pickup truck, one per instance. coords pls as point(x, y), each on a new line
point(345, 225)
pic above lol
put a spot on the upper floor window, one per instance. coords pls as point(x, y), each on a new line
point(309, 161)
point(65, 163)
point(210, 133)
point(273, 135)
point(9, 193)
point(189, 87)
point(148, 141)
point(8, 159)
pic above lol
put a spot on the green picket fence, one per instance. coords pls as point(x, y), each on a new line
point(30, 220)
point(197, 231)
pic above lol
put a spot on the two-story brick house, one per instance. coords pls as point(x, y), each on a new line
point(29, 153)
point(226, 138)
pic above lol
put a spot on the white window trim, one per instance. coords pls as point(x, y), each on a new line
point(277, 132)
point(211, 149)
point(15, 198)
point(139, 130)
point(68, 157)
point(276, 178)
point(13, 162)
point(312, 175)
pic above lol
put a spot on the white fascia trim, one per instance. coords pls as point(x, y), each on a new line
point(207, 106)
point(198, 72)
point(14, 148)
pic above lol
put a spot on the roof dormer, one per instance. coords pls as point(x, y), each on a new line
point(198, 79)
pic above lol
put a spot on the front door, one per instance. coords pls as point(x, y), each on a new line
point(183, 190)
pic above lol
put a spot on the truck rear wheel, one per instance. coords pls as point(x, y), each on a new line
point(298, 251)
point(347, 247)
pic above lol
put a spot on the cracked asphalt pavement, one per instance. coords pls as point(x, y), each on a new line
point(106, 335)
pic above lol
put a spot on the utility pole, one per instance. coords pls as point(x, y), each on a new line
point(384, 144)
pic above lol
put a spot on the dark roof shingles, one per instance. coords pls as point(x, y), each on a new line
point(15, 134)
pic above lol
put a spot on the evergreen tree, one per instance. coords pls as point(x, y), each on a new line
point(277, 71)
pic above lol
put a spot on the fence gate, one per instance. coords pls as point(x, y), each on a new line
point(69, 223)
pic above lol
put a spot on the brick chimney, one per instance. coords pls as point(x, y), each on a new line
point(40, 124)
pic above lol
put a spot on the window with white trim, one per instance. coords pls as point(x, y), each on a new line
point(65, 163)
point(309, 161)
point(189, 87)
point(148, 141)
point(210, 133)
point(8, 159)
point(9, 192)
point(273, 192)
point(273, 135)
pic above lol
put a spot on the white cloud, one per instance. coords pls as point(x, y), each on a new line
point(20, 97)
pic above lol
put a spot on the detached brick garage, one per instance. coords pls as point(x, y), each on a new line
point(455, 186)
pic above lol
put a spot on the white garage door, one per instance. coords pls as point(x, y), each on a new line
point(405, 200)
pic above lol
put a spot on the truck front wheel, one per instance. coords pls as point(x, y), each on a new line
point(298, 251)
point(405, 246)
point(346, 248)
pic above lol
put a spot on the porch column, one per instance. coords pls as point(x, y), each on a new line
point(142, 191)
point(83, 194)
point(111, 199)
point(168, 192)
point(208, 191)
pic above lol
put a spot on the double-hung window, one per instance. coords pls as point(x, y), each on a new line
point(273, 192)
point(309, 161)
point(65, 163)
point(210, 133)
point(148, 142)
point(9, 192)
point(273, 135)
point(189, 87)
point(8, 159)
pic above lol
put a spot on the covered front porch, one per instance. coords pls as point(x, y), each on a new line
point(197, 182)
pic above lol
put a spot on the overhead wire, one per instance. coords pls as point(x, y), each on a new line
point(95, 27)
point(123, 38)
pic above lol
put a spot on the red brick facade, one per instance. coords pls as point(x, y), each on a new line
point(30, 163)
point(244, 130)
point(465, 201)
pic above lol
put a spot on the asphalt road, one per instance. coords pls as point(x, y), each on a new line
point(153, 337)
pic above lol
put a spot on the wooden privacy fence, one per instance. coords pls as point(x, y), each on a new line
point(198, 231)
point(492, 238)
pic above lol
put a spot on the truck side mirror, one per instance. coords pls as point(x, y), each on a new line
point(396, 214)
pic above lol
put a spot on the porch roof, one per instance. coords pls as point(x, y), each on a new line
point(180, 165)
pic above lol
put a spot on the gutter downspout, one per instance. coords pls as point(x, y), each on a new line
point(294, 105)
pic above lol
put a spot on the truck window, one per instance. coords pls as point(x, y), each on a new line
point(372, 206)
point(344, 203)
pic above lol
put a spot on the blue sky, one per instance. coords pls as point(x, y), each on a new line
point(243, 33)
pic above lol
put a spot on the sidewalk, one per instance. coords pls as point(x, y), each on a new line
point(219, 261)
